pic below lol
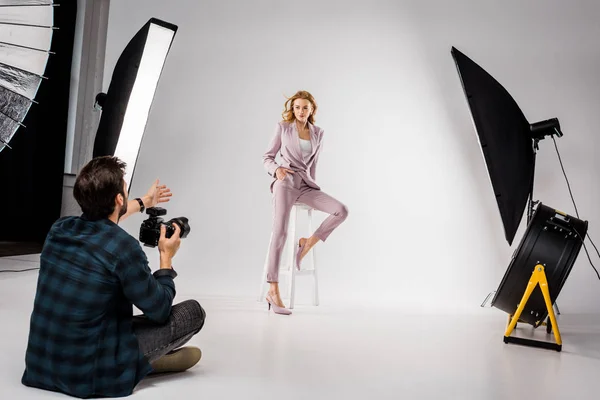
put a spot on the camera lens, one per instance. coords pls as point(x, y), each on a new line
point(183, 224)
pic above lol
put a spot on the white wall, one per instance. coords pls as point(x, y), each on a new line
point(400, 150)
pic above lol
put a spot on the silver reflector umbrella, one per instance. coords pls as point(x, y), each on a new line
point(26, 28)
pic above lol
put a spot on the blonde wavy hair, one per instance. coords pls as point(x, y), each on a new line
point(288, 112)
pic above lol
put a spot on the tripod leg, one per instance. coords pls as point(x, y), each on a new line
point(546, 294)
point(530, 286)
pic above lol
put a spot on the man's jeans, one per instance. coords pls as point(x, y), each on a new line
point(156, 340)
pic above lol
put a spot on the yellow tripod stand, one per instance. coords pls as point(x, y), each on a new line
point(538, 277)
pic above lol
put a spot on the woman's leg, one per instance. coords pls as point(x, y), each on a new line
point(321, 201)
point(284, 197)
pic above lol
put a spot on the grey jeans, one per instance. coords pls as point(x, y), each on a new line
point(156, 340)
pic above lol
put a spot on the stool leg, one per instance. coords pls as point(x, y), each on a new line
point(310, 231)
point(314, 262)
point(263, 283)
point(292, 237)
point(315, 283)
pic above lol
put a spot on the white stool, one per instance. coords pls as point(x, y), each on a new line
point(286, 264)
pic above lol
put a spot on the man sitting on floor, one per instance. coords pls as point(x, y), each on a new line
point(84, 340)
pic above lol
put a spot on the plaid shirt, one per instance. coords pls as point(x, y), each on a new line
point(81, 341)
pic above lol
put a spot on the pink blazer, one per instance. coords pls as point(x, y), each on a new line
point(286, 142)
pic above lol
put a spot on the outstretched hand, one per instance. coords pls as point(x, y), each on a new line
point(157, 194)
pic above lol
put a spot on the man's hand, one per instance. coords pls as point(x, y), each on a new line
point(282, 172)
point(157, 194)
point(168, 247)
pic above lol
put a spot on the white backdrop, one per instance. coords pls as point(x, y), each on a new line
point(400, 150)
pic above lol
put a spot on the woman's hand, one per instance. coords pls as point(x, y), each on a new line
point(282, 172)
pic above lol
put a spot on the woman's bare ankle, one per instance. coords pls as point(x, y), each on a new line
point(274, 289)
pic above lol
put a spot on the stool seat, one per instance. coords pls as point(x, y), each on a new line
point(287, 264)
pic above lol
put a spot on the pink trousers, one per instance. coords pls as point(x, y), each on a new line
point(292, 189)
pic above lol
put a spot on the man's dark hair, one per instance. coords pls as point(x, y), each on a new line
point(97, 185)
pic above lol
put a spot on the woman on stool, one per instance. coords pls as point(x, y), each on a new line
point(299, 143)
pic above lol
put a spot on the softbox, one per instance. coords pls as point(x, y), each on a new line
point(504, 137)
point(126, 105)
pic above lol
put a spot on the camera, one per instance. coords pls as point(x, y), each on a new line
point(150, 229)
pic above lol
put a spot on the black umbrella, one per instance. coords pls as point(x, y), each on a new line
point(26, 28)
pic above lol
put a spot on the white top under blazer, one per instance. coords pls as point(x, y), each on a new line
point(306, 148)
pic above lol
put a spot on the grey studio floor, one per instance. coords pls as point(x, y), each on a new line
point(328, 352)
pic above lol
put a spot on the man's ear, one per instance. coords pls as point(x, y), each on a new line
point(120, 199)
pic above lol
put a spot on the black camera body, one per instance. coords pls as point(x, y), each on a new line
point(150, 229)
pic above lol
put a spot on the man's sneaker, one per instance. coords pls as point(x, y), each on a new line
point(177, 360)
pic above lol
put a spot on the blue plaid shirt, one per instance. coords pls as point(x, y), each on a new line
point(81, 341)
